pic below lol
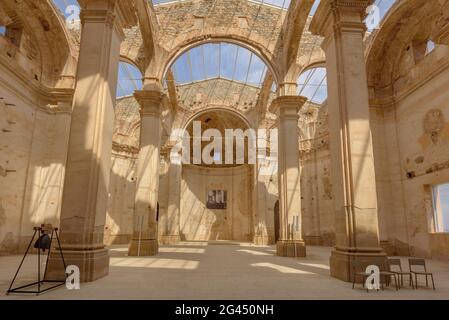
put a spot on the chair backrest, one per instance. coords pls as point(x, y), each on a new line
point(417, 263)
point(394, 262)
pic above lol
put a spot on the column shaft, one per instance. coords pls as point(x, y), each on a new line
point(287, 109)
point(171, 233)
point(353, 175)
point(85, 194)
point(144, 241)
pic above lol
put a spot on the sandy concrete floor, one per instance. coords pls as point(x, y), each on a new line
point(195, 270)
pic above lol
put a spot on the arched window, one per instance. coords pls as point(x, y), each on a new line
point(70, 9)
point(312, 84)
point(219, 60)
point(129, 80)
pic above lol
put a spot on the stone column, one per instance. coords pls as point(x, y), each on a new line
point(144, 241)
point(287, 109)
point(85, 194)
point(171, 234)
point(261, 237)
point(353, 175)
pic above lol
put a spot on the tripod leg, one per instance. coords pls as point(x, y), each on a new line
point(48, 255)
point(60, 251)
point(21, 263)
point(39, 267)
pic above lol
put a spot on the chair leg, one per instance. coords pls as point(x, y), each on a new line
point(427, 281)
point(433, 282)
point(416, 281)
point(396, 282)
point(410, 282)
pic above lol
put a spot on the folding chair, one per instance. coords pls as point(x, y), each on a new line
point(359, 271)
point(420, 263)
point(399, 272)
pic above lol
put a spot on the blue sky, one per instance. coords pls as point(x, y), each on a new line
point(219, 60)
point(313, 84)
point(63, 4)
point(129, 80)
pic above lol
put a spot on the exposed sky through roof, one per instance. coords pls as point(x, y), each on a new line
point(312, 84)
point(129, 80)
point(64, 6)
point(219, 60)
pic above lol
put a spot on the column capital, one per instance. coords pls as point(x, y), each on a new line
point(341, 14)
point(150, 102)
point(113, 13)
point(287, 105)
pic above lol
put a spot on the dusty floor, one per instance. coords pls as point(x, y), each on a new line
point(195, 270)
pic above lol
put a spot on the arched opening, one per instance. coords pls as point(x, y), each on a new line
point(312, 84)
point(219, 59)
point(129, 80)
point(217, 191)
point(277, 224)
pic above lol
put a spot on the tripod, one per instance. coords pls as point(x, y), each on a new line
point(41, 244)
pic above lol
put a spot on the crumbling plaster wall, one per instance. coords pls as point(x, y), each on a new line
point(411, 144)
point(316, 188)
point(33, 145)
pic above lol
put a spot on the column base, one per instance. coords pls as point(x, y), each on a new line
point(93, 264)
point(146, 248)
point(291, 248)
point(341, 260)
point(170, 239)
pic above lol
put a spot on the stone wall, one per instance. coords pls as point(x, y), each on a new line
point(33, 151)
point(200, 223)
point(411, 144)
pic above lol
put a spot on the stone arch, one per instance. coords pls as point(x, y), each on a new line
point(185, 44)
point(55, 48)
point(234, 112)
point(131, 61)
point(404, 22)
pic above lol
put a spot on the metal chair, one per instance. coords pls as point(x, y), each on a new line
point(359, 271)
point(420, 263)
point(399, 272)
point(386, 274)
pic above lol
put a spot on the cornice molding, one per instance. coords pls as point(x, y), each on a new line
point(49, 100)
point(329, 13)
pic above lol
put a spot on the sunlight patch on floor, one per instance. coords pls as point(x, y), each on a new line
point(180, 250)
point(315, 265)
point(279, 268)
point(155, 263)
point(256, 253)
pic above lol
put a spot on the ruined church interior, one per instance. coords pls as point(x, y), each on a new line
point(117, 127)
